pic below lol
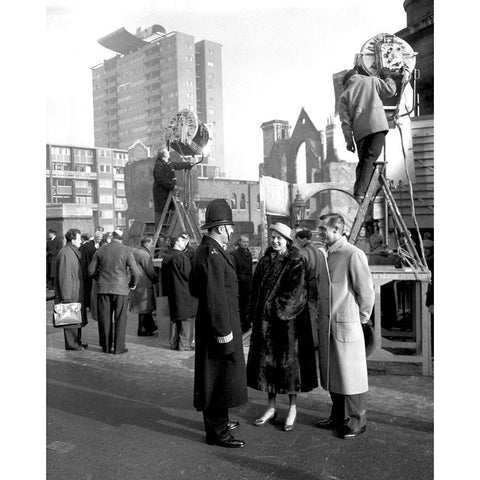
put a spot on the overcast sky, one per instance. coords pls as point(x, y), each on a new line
point(277, 57)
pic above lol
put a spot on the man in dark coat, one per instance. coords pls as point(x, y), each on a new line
point(242, 258)
point(54, 244)
point(312, 256)
point(143, 298)
point(69, 286)
point(220, 379)
point(112, 265)
point(176, 268)
point(164, 180)
point(87, 250)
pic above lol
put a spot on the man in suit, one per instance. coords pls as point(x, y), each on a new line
point(69, 286)
point(112, 265)
point(345, 303)
point(220, 380)
point(54, 245)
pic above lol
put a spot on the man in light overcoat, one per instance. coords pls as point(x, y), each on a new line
point(345, 302)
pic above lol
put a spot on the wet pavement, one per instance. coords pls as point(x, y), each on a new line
point(131, 417)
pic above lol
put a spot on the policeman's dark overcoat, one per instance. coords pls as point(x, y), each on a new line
point(219, 367)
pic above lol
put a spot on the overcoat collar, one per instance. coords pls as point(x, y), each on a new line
point(75, 250)
point(210, 241)
point(336, 245)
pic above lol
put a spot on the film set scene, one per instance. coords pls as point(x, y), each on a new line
point(239, 241)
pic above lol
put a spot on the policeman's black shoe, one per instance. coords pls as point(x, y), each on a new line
point(84, 346)
point(326, 423)
point(74, 348)
point(123, 351)
point(233, 425)
point(227, 443)
point(347, 433)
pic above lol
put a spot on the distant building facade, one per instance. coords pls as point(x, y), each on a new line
point(154, 75)
point(89, 176)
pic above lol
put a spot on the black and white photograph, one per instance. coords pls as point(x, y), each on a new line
point(239, 204)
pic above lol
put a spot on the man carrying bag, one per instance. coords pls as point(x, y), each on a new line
point(69, 289)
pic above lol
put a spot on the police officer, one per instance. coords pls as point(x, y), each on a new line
point(220, 379)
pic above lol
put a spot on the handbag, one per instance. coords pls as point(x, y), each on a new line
point(65, 314)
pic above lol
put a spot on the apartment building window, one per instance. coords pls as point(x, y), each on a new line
point(258, 201)
point(105, 168)
point(210, 51)
point(211, 75)
point(83, 200)
point(106, 213)
point(118, 170)
point(189, 83)
point(211, 111)
point(242, 202)
point(105, 183)
point(189, 58)
point(210, 64)
point(106, 198)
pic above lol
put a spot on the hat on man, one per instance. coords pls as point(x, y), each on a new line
point(218, 213)
point(283, 230)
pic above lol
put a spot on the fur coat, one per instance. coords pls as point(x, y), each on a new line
point(281, 358)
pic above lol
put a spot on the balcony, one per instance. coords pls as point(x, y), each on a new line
point(71, 174)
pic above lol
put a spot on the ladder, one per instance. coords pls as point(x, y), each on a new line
point(174, 220)
point(378, 181)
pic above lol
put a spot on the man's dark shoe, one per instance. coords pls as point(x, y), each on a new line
point(233, 425)
point(123, 351)
point(228, 443)
point(84, 346)
point(347, 433)
point(145, 334)
point(326, 424)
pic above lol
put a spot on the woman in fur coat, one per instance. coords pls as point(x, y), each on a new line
point(281, 358)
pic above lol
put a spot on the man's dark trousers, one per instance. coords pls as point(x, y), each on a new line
point(369, 149)
point(349, 410)
point(112, 321)
point(215, 419)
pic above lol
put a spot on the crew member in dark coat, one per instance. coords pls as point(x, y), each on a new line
point(112, 265)
point(87, 250)
point(281, 358)
point(220, 381)
point(242, 258)
point(143, 298)
point(176, 268)
point(69, 286)
point(164, 180)
point(54, 244)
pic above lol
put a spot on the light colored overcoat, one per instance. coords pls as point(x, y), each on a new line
point(345, 301)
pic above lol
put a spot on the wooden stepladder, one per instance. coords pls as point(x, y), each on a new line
point(377, 182)
point(174, 220)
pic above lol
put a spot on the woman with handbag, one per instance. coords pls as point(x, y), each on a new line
point(281, 358)
point(69, 305)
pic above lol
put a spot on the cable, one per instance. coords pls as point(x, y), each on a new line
point(414, 217)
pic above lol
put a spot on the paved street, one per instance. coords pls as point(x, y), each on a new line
point(129, 417)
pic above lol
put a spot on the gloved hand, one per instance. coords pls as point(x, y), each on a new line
point(351, 146)
point(385, 73)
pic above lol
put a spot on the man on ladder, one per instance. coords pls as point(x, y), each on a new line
point(164, 180)
point(363, 119)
